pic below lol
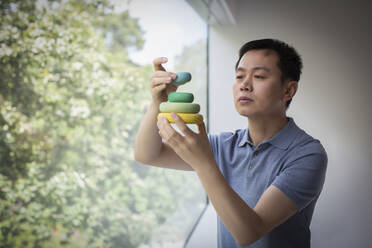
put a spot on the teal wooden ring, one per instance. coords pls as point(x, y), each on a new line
point(179, 107)
point(180, 97)
point(182, 77)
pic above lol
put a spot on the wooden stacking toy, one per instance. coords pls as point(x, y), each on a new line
point(181, 103)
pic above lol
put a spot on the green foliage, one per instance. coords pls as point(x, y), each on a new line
point(70, 105)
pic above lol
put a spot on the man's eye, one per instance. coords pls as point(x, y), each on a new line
point(239, 77)
point(259, 77)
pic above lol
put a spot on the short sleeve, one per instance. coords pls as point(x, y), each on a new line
point(213, 143)
point(302, 179)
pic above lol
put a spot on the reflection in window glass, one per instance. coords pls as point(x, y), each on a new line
point(74, 85)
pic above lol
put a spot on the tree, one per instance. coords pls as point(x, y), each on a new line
point(67, 109)
point(70, 103)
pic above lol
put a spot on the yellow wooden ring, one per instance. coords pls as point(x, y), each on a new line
point(187, 118)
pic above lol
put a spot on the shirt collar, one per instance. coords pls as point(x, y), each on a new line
point(281, 140)
point(245, 138)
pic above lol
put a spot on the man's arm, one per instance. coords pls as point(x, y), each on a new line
point(247, 225)
point(149, 148)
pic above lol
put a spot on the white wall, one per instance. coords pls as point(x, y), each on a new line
point(333, 103)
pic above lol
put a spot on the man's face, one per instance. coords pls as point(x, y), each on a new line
point(259, 79)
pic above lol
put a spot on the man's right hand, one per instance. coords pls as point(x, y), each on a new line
point(160, 82)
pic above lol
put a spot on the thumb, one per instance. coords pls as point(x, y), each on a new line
point(157, 63)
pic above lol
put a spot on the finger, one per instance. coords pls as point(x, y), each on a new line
point(164, 79)
point(158, 88)
point(171, 88)
point(181, 125)
point(159, 74)
point(165, 138)
point(158, 81)
point(161, 133)
point(158, 63)
point(170, 135)
point(202, 129)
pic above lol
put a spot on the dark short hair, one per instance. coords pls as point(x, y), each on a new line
point(290, 62)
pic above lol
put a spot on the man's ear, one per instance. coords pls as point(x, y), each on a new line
point(290, 89)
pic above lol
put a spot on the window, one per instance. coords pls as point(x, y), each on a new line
point(74, 78)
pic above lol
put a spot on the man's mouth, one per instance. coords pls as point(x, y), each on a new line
point(245, 99)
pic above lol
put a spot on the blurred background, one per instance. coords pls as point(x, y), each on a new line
point(74, 85)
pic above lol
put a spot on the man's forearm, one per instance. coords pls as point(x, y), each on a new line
point(241, 220)
point(148, 141)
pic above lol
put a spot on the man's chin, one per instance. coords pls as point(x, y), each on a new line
point(248, 114)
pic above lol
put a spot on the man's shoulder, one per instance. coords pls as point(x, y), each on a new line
point(305, 146)
point(306, 142)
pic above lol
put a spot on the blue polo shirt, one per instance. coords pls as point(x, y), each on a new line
point(291, 160)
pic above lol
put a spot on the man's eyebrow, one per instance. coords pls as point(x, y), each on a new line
point(254, 68)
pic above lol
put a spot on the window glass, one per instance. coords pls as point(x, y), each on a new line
point(74, 86)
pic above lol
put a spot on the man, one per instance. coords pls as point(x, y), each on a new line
point(264, 180)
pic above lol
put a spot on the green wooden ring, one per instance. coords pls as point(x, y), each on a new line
point(180, 97)
point(179, 107)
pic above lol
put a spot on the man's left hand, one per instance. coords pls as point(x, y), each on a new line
point(193, 148)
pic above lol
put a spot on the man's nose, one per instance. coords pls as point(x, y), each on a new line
point(246, 84)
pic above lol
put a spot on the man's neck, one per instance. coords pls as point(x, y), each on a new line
point(264, 128)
